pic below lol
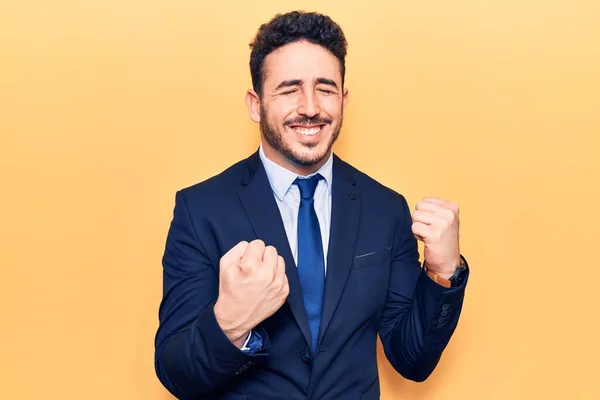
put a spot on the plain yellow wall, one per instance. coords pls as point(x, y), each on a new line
point(108, 107)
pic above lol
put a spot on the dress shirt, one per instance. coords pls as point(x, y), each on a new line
point(287, 197)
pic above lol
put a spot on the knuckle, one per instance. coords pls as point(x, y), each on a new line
point(278, 285)
point(240, 248)
point(271, 250)
point(247, 264)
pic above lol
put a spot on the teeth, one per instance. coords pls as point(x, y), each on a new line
point(307, 131)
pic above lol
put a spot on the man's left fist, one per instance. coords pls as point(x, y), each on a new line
point(436, 223)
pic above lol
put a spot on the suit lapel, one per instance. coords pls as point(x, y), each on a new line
point(345, 220)
point(259, 203)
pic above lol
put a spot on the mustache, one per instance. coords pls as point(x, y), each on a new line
point(309, 121)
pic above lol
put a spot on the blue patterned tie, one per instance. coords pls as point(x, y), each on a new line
point(311, 264)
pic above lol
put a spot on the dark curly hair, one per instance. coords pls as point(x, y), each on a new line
point(292, 27)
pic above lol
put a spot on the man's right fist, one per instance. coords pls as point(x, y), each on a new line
point(252, 287)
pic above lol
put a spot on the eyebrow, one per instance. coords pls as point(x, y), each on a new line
point(326, 81)
point(288, 83)
point(299, 82)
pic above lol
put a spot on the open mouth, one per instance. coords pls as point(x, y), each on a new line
point(305, 130)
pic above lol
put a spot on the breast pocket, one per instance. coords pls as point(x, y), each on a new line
point(372, 259)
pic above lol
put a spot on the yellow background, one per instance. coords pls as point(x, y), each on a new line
point(108, 107)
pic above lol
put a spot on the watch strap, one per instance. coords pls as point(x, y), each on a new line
point(447, 283)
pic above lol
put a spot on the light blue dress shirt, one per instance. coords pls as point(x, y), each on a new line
point(287, 197)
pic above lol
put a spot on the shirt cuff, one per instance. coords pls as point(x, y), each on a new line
point(253, 343)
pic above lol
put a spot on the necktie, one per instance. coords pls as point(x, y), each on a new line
point(311, 264)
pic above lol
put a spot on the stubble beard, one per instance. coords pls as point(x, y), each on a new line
point(274, 138)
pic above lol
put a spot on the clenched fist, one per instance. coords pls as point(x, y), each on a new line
point(436, 223)
point(252, 287)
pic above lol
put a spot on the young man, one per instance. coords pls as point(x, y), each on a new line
point(280, 271)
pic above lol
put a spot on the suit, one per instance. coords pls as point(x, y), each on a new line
point(374, 284)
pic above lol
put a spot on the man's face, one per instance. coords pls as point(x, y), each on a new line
point(301, 107)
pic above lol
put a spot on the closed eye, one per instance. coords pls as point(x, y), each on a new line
point(287, 92)
point(325, 91)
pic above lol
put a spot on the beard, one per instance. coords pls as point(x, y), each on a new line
point(275, 138)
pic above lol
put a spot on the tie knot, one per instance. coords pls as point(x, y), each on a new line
point(308, 186)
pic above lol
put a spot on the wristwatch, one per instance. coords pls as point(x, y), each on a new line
point(456, 278)
point(459, 274)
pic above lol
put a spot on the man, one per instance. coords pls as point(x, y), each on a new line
point(280, 271)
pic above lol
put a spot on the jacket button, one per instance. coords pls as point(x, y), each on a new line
point(305, 356)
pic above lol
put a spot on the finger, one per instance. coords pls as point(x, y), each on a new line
point(281, 272)
point(234, 254)
point(444, 203)
point(437, 209)
point(279, 276)
point(279, 268)
point(252, 258)
point(280, 265)
point(285, 288)
point(429, 206)
point(425, 217)
point(421, 231)
point(270, 256)
point(269, 263)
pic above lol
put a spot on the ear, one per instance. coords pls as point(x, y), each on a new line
point(253, 103)
point(345, 99)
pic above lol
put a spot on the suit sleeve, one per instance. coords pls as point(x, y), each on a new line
point(193, 356)
point(420, 315)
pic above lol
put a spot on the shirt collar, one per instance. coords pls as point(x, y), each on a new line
point(281, 179)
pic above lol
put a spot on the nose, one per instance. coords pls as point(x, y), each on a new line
point(309, 105)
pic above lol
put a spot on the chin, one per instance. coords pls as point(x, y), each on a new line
point(311, 156)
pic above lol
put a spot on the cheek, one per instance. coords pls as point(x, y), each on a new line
point(332, 107)
point(280, 111)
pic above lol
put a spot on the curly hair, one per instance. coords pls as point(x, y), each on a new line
point(292, 27)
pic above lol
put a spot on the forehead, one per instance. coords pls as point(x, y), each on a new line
point(300, 60)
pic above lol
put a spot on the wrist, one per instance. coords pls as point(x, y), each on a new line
point(239, 342)
point(447, 277)
point(442, 275)
point(445, 270)
point(235, 333)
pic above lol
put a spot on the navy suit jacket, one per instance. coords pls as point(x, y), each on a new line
point(374, 284)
